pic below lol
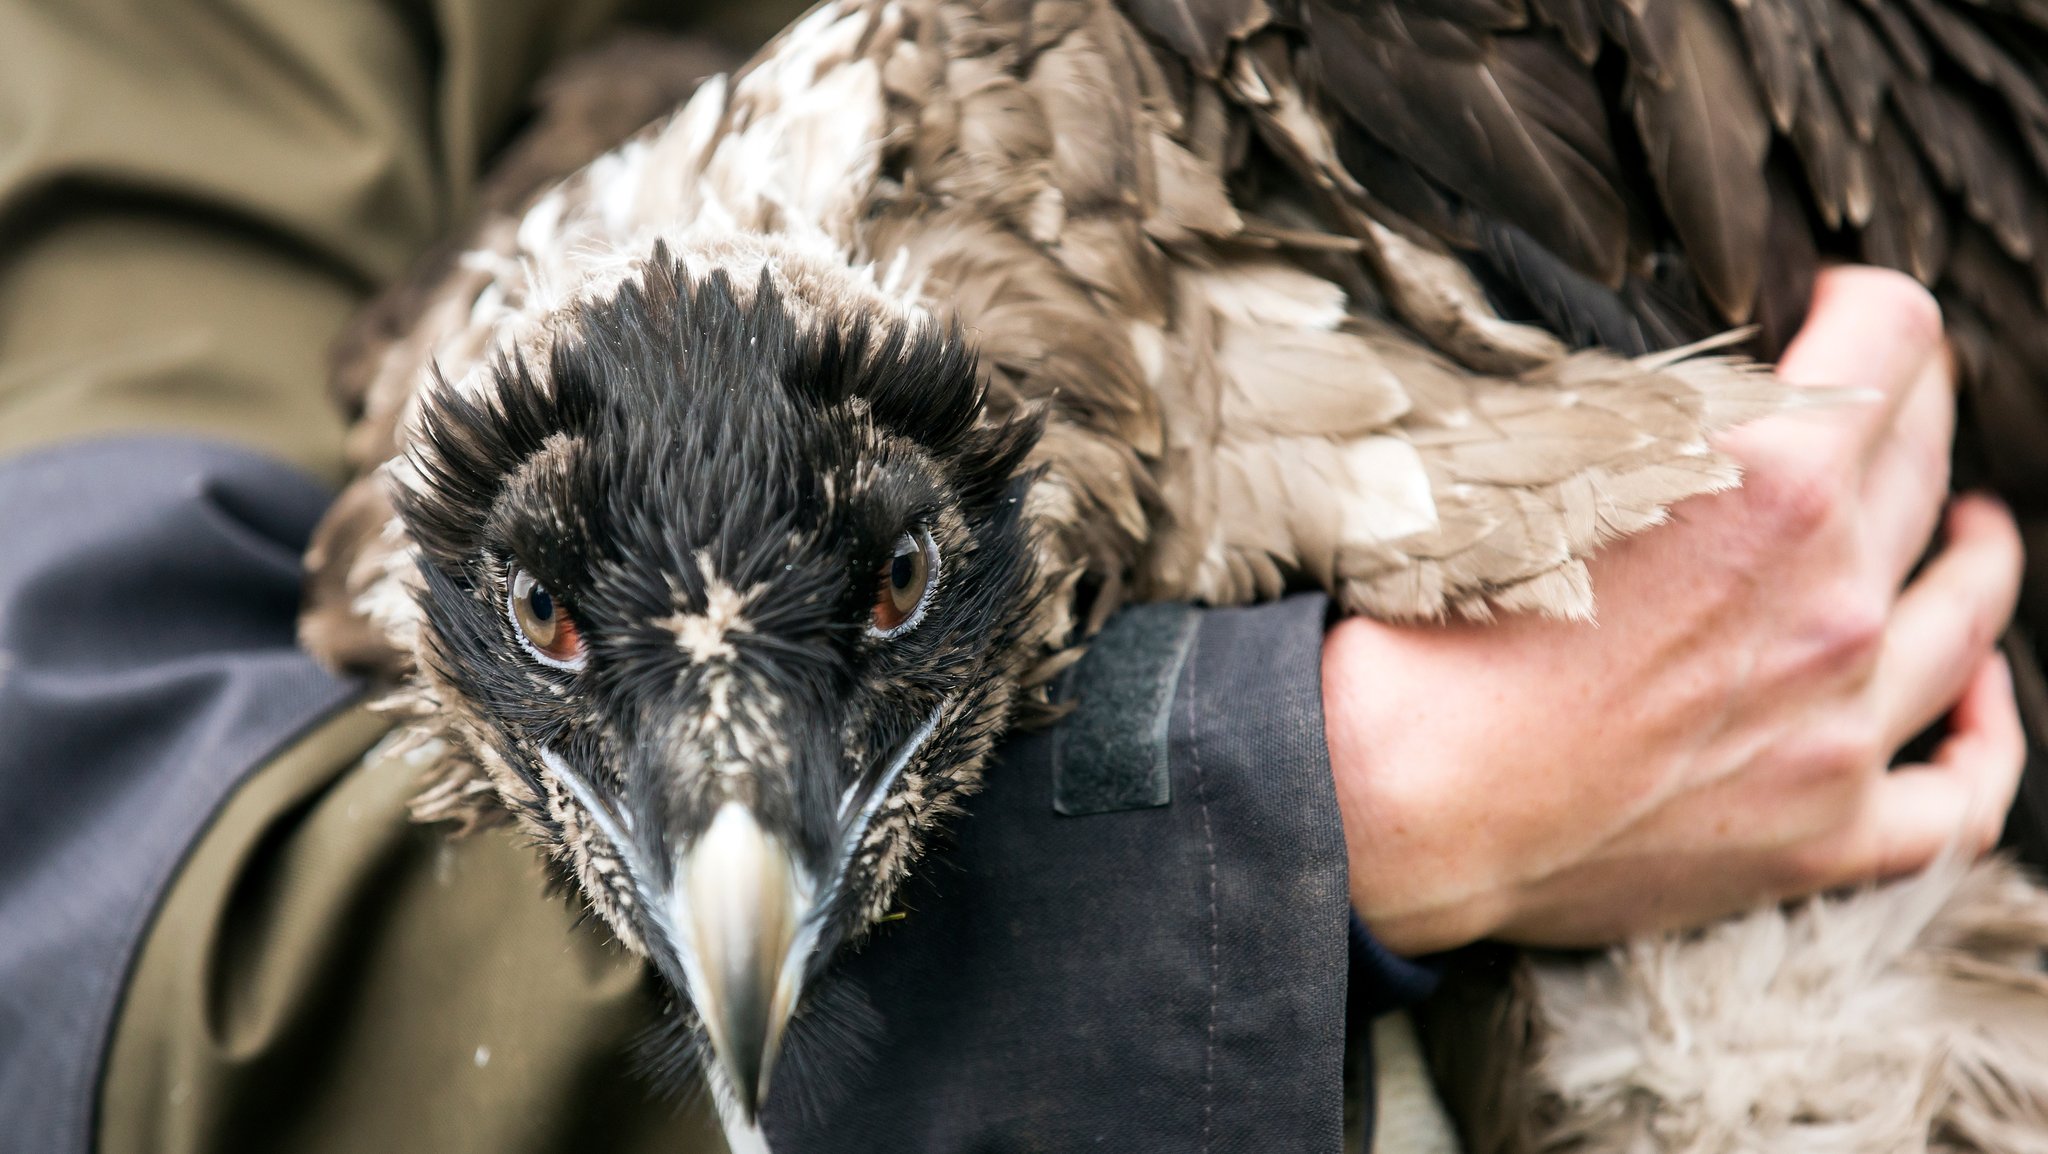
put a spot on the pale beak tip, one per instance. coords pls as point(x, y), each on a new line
point(743, 903)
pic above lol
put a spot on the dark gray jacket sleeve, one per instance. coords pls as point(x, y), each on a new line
point(1156, 969)
point(147, 594)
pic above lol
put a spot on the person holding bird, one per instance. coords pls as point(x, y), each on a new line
point(1145, 922)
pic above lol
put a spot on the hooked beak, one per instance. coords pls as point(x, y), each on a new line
point(741, 904)
point(740, 912)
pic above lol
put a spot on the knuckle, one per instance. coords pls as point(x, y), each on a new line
point(1841, 641)
point(1837, 760)
point(1914, 311)
point(1797, 499)
point(1851, 632)
point(1902, 303)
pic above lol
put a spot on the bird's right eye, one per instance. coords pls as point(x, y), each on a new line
point(905, 585)
point(544, 623)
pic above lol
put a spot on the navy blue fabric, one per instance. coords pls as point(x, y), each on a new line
point(148, 589)
point(1167, 979)
point(1383, 981)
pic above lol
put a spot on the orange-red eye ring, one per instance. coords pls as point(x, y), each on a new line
point(903, 587)
point(543, 623)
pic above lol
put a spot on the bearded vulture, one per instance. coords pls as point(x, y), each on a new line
point(723, 501)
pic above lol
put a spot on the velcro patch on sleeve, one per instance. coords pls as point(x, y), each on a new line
point(1109, 754)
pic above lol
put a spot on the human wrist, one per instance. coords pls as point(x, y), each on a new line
point(1412, 851)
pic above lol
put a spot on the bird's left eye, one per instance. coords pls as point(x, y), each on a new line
point(906, 584)
point(544, 623)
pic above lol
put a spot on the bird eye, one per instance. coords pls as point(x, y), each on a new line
point(905, 585)
point(544, 623)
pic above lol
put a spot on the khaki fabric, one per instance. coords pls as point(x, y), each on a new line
point(196, 194)
point(326, 977)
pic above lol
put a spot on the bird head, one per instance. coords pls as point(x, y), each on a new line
point(726, 597)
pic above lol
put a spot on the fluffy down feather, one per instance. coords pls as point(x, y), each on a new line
point(1907, 1017)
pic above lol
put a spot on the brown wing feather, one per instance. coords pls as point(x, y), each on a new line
point(1705, 133)
point(1972, 160)
point(1836, 161)
point(1202, 31)
point(1518, 123)
point(1495, 109)
point(1780, 45)
point(1858, 67)
point(1908, 227)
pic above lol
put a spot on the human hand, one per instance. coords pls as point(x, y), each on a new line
point(1720, 737)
